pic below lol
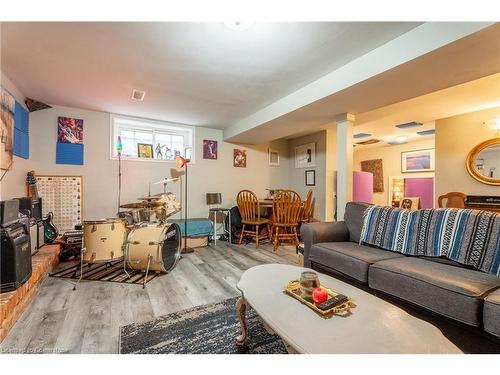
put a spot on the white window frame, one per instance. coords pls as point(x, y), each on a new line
point(142, 124)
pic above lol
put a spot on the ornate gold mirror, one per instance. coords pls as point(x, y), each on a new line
point(483, 162)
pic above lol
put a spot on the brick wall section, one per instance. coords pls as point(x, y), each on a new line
point(13, 304)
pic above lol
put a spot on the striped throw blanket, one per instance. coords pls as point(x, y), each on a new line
point(468, 237)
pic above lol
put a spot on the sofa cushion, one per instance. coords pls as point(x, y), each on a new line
point(452, 291)
point(348, 258)
point(353, 218)
point(491, 313)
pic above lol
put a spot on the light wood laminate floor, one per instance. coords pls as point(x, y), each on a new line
point(87, 320)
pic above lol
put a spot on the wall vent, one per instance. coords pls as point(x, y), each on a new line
point(138, 95)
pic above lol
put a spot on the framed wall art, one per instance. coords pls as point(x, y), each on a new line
point(311, 177)
point(63, 196)
point(305, 155)
point(69, 130)
point(210, 150)
point(239, 158)
point(418, 161)
point(7, 105)
point(274, 158)
point(145, 150)
point(376, 167)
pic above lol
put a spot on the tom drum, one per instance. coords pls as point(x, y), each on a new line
point(104, 240)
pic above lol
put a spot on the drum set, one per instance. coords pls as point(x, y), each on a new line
point(140, 236)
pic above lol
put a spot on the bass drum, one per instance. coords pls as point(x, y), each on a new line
point(103, 240)
point(158, 244)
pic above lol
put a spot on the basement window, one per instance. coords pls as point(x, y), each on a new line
point(150, 140)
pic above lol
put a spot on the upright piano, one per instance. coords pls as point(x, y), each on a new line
point(483, 202)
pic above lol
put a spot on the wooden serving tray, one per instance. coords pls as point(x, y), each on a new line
point(293, 289)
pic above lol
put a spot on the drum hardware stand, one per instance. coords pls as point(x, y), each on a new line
point(82, 251)
point(125, 256)
point(147, 271)
point(119, 149)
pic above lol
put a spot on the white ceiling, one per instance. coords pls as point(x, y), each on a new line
point(193, 73)
point(472, 96)
point(467, 59)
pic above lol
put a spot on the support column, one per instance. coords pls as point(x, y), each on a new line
point(345, 123)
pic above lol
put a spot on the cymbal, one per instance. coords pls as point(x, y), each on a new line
point(142, 205)
point(133, 205)
point(165, 180)
point(150, 198)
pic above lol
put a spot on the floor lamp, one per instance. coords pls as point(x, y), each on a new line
point(119, 149)
point(183, 162)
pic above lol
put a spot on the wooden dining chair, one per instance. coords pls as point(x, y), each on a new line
point(411, 203)
point(454, 199)
point(248, 205)
point(287, 211)
point(308, 208)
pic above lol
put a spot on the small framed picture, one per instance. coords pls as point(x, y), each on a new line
point(418, 161)
point(274, 158)
point(209, 149)
point(145, 150)
point(239, 158)
point(311, 177)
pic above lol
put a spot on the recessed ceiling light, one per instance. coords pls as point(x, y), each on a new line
point(138, 95)
point(408, 125)
point(368, 142)
point(238, 25)
point(361, 135)
point(427, 132)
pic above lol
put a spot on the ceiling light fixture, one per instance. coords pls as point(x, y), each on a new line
point(493, 124)
point(138, 95)
point(238, 25)
point(401, 140)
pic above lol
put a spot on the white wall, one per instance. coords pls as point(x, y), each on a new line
point(391, 163)
point(101, 174)
point(296, 176)
point(455, 137)
point(14, 173)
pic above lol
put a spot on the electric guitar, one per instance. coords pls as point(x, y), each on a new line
point(31, 181)
point(50, 231)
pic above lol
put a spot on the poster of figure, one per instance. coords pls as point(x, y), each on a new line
point(305, 155)
point(239, 158)
point(69, 130)
point(7, 105)
point(209, 149)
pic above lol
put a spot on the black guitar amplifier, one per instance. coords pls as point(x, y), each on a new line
point(33, 205)
point(41, 234)
point(33, 236)
point(9, 212)
point(15, 257)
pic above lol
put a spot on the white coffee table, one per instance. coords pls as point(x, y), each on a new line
point(375, 325)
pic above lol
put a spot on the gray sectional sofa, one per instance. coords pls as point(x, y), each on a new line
point(436, 284)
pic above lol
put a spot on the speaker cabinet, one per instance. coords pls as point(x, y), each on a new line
point(33, 205)
point(41, 234)
point(15, 257)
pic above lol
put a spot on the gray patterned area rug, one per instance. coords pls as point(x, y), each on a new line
point(207, 329)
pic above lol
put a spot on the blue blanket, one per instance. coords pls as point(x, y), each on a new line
point(198, 227)
point(468, 237)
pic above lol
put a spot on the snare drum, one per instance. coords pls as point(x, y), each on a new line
point(104, 240)
point(158, 245)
